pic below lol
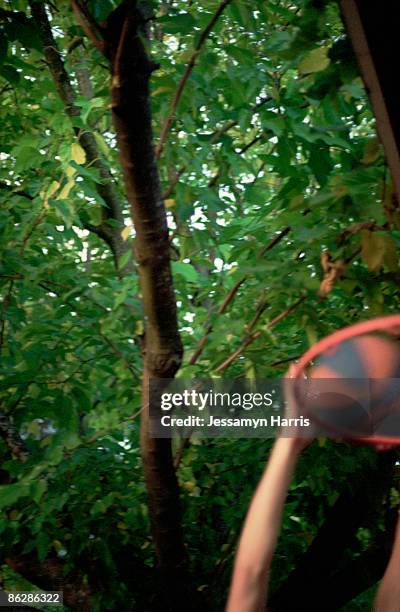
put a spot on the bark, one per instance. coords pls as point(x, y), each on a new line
point(124, 36)
point(106, 188)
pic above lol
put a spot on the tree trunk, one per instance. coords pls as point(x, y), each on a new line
point(162, 348)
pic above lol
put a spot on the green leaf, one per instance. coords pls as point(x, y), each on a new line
point(101, 10)
point(64, 211)
point(177, 23)
point(9, 494)
point(37, 489)
point(315, 61)
point(186, 270)
point(123, 260)
point(27, 157)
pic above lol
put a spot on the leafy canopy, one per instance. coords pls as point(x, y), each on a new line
point(271, 157)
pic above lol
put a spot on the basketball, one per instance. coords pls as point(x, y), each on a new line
point(367, 356)
point(353, 388)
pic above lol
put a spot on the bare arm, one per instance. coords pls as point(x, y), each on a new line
point(388, 595)
point(257, 544)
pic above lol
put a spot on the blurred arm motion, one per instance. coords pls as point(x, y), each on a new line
point(388, 595)
point(257, 544)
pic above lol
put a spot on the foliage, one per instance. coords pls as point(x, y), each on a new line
point(271, 158)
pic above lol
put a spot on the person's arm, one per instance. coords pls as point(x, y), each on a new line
point(257, 544)
point(388, 596)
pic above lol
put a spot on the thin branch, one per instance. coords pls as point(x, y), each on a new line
point(22, 193)
point(250, 338)
point(120, 355)
point(287, 312)
point(276, 240)
point(259, 311)
point(5, 88)
point(181, 450)
point(250, 144)
point(353, 255)
point(230, 296)
point(51, 289)
point(106, 186)
point(88, 24)
point(174, 181)
point(175, 101)
point(200, 345)
point(30, 231)
point(286, 360)
point(214, 179)
point(214, 138)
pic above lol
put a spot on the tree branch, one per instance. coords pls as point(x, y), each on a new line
point(105, 188)
point(253, 336)
point(177, 96)
point(88, 24)
point(131, 66)
point(231, 295)
point(214, 138)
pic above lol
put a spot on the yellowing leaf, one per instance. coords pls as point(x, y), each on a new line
point(372, 151)
point(70, 171)
point(312, 334)
point(296, 202)
point(391, 258)
point(65, 190)
point(186, 56)
point(378, 250)
point(52, 189)
point(161, 90)
point(251, 373)
point(372, 250)
point(338, 188)
point(57, 545)
point(121, 525)
point(315, 61)
point(126, 232)
point(77, 153)
point(170, 202)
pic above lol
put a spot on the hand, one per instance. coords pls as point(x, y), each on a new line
point(297, 437)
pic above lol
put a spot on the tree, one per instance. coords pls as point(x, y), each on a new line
point(282, 227)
